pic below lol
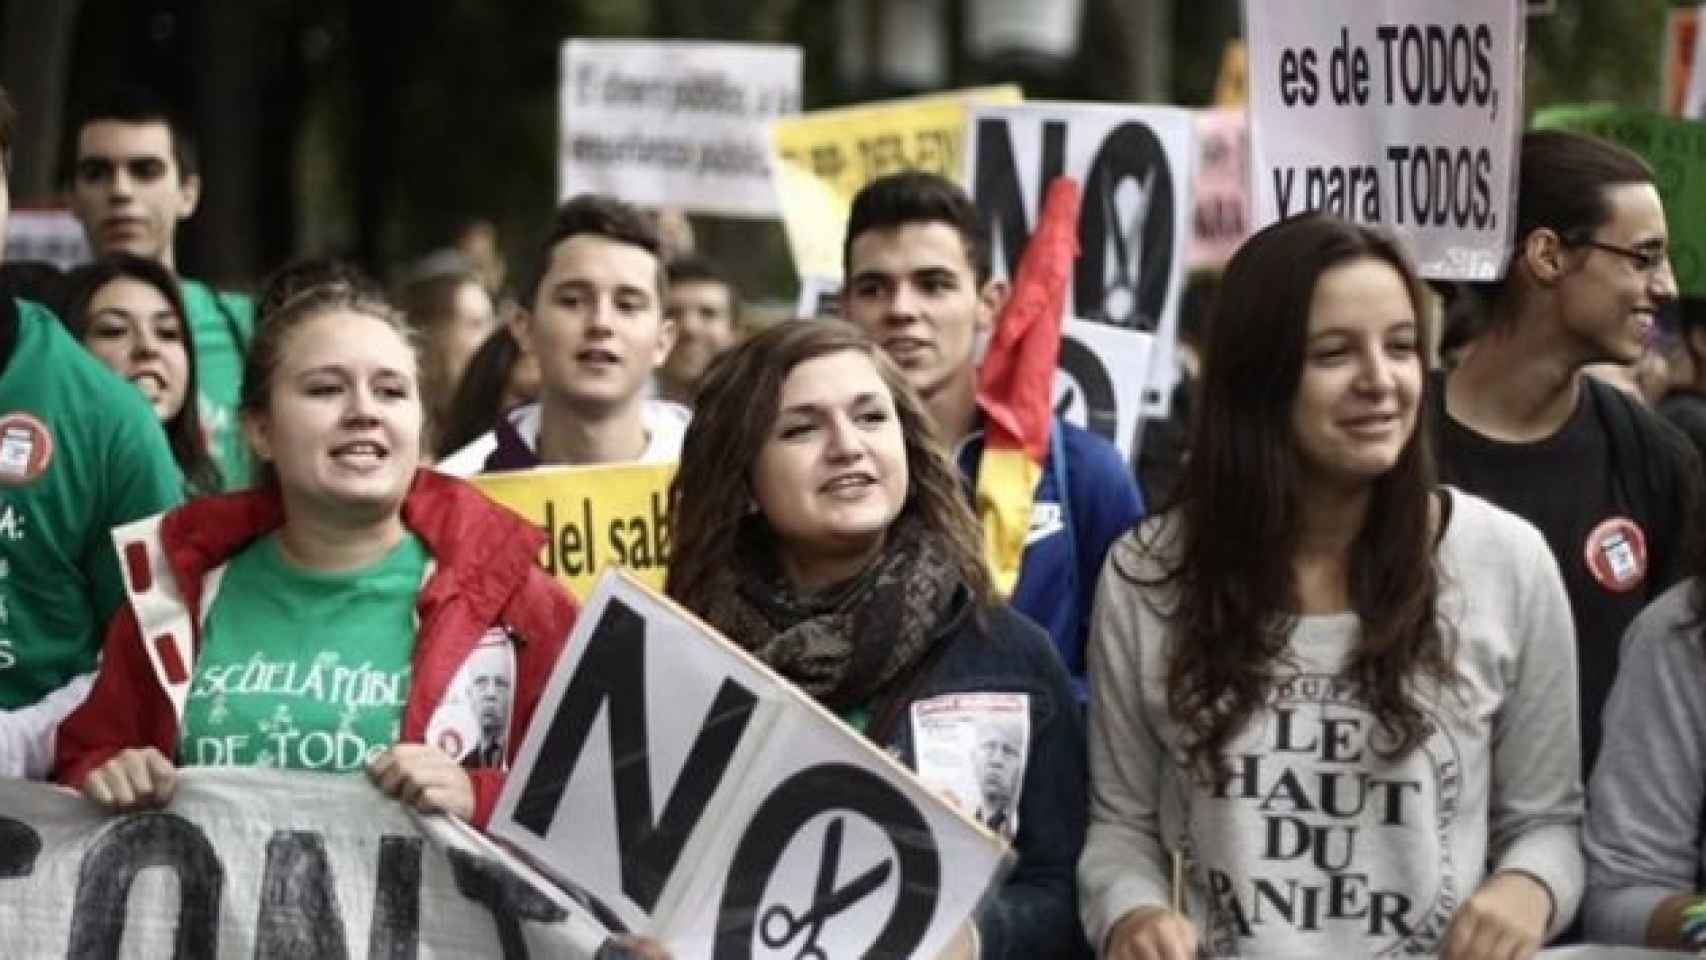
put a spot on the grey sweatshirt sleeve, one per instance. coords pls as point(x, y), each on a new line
point(1124, 864)
point(1534, 818)
point(1644, 822)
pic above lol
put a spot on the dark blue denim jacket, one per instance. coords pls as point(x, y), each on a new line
point(1035, 913)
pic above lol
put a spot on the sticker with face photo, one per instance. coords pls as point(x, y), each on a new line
point(472, 722)
point(971, 749)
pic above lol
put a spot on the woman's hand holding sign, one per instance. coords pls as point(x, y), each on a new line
point(133, 779)
point(1506, 919)
point(1152, 933)
point(425, 778)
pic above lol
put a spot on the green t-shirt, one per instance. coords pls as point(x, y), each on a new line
point(80, 453)
point(221, 326)
point(300, 669)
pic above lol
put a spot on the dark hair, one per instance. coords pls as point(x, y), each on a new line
point(8, 118)
point(1562, 182)
point(1562, 178)
point(130, 103)
point(1237, 519)
point(918, 197)
point(477, 402)
point(734, 411)
point(314, 287)
point(38, 280)
point(429, 297)
point(428, 301)
point(599, 215)
point(694, 268)
point(1196, 305)
point(304, 273)
point(1685, 314)
point(183, 430)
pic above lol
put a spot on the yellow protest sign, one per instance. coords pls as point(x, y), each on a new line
point(819, 160)
point(613, 515)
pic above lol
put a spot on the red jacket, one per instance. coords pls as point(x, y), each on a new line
point(484, 574)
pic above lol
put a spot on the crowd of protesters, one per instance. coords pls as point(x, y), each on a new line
point(1405, 655)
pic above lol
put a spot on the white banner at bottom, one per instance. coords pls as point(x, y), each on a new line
point(249, 862)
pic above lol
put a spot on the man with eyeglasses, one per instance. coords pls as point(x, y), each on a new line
point(1608, 483)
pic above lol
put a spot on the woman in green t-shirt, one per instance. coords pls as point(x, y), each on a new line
point(354, 612)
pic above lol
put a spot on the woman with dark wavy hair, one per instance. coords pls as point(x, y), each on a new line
point(1333, 704)
point(818, 524)
point(127, 312)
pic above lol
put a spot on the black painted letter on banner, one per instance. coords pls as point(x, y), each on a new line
point(396, 930)
point(134, 844)
point(20, 844)
point(299, 901)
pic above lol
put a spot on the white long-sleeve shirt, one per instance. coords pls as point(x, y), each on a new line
point(28, 734)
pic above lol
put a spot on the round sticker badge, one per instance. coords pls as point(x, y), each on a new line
point(26, 448)
point(1616, 554)
point(451, 743)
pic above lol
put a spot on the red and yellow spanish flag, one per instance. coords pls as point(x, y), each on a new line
point(1015, 384)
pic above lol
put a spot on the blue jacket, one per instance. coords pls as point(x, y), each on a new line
point(1035, 913)
point(1069, 536)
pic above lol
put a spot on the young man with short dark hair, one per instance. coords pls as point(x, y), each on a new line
point(592, 315)
point(134, 177)
point(919, 281)
point(1516, 421)
point(80, 453)
point(706, 310)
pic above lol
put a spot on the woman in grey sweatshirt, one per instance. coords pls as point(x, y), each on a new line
point(1333, 705)
point(1646, 827)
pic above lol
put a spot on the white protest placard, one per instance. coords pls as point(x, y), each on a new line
point(1398, 113)
point(1102, 379)
point(250, 862)
point(674, 123)
point(820, 298)
point(49, 236)
point(1134, 166)
point(824, 158)
point(690, 794)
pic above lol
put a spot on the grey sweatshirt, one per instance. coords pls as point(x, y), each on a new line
point(1644, 836)
point(1317, 846)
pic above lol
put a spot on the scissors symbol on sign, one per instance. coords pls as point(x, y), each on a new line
point(779, 926)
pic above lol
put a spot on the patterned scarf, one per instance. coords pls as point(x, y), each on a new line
point(845, 644)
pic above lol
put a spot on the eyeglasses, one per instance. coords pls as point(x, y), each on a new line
point(1645, 259)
